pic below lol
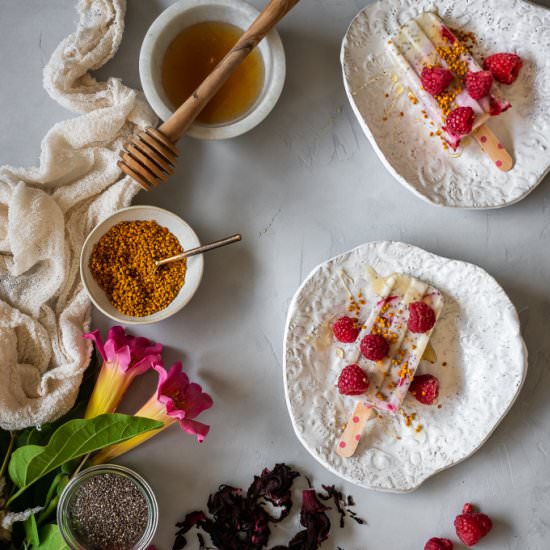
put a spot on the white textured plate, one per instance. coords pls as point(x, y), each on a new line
point(477, 337)
point(403, 143)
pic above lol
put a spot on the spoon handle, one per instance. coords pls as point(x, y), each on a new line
point(200, 249)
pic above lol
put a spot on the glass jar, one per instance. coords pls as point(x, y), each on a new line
point(64, 522)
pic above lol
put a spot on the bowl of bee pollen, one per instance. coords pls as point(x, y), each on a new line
point(186, 42)
point(117, 265)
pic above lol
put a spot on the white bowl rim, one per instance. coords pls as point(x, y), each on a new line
point(272, 87)
point(163, 313)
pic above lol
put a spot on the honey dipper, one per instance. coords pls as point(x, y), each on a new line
point(150, 155)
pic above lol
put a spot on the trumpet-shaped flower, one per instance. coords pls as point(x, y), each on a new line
point(124, 358)
point(175, 400)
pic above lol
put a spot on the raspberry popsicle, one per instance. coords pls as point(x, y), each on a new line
point(455, 93)
point(392, 343)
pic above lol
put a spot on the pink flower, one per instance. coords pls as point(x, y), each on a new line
point(183, 400)
point(176, 400)
point(125, 357)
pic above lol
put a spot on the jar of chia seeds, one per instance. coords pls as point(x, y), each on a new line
point(107, 507)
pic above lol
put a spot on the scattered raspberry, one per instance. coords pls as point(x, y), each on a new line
point(374, 347)
point(478, 84)
point(435, 79)
point(504, 66)
point(353, 380)
point(425, 388)
point(345, 330)
point(459, 121)
point(438, 544)
point(471, 527)
point(421, 316)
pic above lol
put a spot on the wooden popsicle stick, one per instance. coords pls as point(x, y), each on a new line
point(352, 434)
point(491, 146)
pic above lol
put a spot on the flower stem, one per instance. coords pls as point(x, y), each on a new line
point(8, 454)
point(79, 467)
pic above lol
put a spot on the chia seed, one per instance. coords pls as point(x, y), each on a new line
point(109, 512)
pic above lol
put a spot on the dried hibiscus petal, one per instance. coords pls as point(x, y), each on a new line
point(239, 521)
point(275, 487)
point(316, 522)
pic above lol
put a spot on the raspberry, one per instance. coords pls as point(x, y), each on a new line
point(471, 527)
point(435, 79)
point(353, 380)
point(374, 347)
point(438, 544)
point(345, 330)
point(459, 121)
point(421, 317)
point(425, 388)
point(478, 84)
point(504, 66)
point(496, 106)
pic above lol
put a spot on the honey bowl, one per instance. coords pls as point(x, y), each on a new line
point(185, 42)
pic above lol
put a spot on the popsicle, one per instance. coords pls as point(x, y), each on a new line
point(391, 377)
point(443, 38)
point(426, 42)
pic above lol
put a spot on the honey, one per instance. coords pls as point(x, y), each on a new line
point(191, 57)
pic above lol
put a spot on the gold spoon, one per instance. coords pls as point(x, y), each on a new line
point(198, 250)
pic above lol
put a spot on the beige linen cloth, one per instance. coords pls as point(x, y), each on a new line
point(46, 213)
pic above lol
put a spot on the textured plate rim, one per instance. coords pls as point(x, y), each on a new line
point(284, 365)
point(380, 154)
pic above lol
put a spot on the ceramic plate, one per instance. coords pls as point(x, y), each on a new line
point(466, 179)
point(481, 362)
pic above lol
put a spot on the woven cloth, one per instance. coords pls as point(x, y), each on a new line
point(45, 214)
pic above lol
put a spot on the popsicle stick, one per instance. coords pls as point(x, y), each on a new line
point(491, 146)
point(354, 428)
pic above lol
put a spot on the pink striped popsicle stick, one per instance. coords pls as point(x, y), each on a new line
point(354, 428)
point(492, 147)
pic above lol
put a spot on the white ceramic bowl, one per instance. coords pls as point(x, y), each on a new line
point(185, 235)
point(185, 13)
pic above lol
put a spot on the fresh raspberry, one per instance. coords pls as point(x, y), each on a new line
point(478, 84)
point(345, 330)
point(353, 380)
point(459, 121)
point(438, 544)
point(425, 388)
point(435, 79)
point(471, 527)
point(421, 317)
point(374, 347)
point(504, 66)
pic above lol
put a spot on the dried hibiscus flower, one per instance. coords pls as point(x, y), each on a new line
point(239, 521)
point(315, 521)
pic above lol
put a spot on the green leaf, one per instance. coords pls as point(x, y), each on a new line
point(51, 539)
point(31, 531)
point(19, 462)
point(76, 438)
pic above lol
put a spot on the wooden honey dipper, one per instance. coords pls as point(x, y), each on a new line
point(150, 155)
